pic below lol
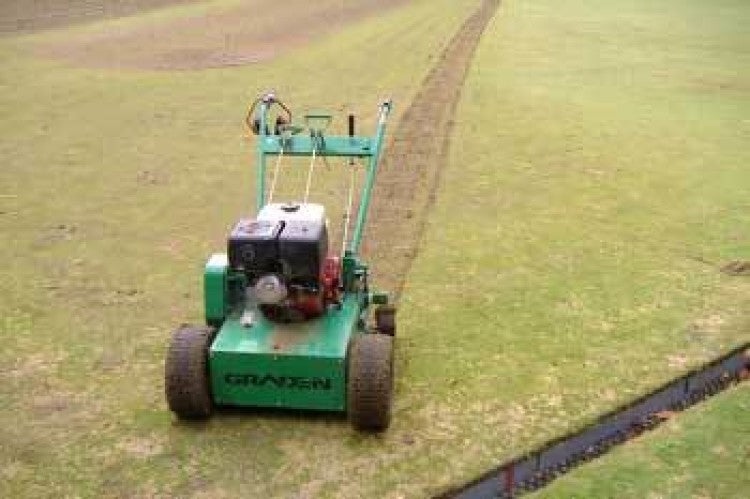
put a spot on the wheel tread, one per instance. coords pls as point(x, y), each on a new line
point(186, 372)
point(370, 384)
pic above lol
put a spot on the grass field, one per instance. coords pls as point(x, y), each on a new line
point(115, 187)
point(596, 185)
point(704, 452)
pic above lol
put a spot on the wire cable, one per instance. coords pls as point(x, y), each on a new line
point(310, 173)
point(276, 170)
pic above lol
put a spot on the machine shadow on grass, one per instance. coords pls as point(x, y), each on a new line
point(236, 413)
point(272, 414)
point(224, 414)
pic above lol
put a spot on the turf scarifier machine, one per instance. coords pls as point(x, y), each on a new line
point(288, 320)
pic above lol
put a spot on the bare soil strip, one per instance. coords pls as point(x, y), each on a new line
point(251, 32)
point(415, 155)
point(20, 16)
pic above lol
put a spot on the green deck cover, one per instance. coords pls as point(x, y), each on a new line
point(300, 365)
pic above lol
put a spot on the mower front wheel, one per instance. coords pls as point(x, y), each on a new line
point(370, 383)
point(186, 372)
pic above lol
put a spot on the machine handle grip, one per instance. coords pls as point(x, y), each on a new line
point(252, 119)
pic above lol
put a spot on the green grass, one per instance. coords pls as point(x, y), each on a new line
point(704, 452)
point(599, 159)
point(114, 189)
point(598, 181)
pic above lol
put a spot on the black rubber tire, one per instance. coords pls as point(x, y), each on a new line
point(370, 381)
point(186, 372)
point(385, 319)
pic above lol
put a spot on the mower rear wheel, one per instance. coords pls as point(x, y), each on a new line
point(385, 319)
point(186, 372)
point(370, 383)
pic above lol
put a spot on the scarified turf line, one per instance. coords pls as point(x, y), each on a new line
point(30, 16)
point(415, 156)
point(229, 34)
point(557, 457)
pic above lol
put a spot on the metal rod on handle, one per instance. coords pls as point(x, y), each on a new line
point(372, 167)
point(351, 134)
point(350, 196)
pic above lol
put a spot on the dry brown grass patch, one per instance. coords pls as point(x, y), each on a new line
point(250, 32)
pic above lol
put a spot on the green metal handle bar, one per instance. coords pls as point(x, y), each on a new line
point(364, 202)
point(260, 198)
point(346, 146)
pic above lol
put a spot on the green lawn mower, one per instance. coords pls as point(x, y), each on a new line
point(288, 320)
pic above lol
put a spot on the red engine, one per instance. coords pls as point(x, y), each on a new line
point(295, 304)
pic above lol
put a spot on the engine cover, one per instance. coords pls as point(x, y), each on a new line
point(287, 240)
point(253, 247)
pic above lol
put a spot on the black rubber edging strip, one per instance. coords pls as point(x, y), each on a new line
point(554, 458)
